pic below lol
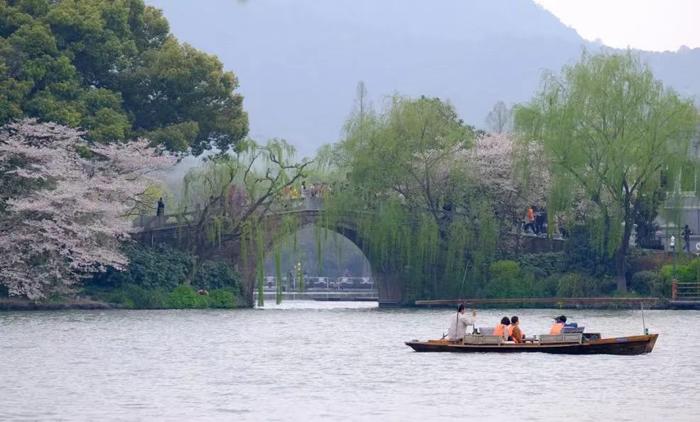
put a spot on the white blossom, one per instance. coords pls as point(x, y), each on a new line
point(514, 177)
point(71, 223)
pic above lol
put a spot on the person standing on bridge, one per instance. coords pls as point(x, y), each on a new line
point(160, 210)
point(458, 324)
point(686, 238)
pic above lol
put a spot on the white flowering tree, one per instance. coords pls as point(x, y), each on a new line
point(64, 203)
point(512, 175)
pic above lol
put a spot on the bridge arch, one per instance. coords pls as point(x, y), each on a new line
point(388, 288)
point(181, 231)
point(331, 266)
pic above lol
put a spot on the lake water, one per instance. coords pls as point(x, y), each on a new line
point(331, 361)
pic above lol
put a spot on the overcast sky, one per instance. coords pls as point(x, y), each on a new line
point(299, 61)
point(655, 25)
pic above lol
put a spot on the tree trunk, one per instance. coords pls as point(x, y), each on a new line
point(194, 269)
point(621, 257)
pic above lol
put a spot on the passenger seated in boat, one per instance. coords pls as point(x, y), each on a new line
point(572, 327)
point(559, 323)
point(514, 332)
point(458, 324)
point(502, 328)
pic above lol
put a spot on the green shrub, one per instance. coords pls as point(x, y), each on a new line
point(149, 299)
point(216, 275)
point(506, 280)
point(543, 264)
point(583, 255)
point(118, 297)
point(581, 285)
point(689, 272)
point(185, 297)
point(694, 269)
point(221, 298)
point(136, 297)
point(573, 285)
point(160, 267)
point(131, 296)
point(504, 269)
point(684, 273)
point(647, 283)
point(546, 287)
point(155, 271)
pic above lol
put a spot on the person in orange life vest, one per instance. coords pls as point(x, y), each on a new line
point(530, 224)
point(559, 323)
point(502, 328)
point(514, 332)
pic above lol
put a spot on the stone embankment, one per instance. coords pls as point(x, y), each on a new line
point(29, 305)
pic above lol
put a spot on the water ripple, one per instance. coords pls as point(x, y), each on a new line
point(325, 361)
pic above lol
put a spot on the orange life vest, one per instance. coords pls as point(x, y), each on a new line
point(499, 330)
point(556, 328)
point(510, 331)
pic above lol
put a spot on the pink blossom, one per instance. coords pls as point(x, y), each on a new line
point(72, 224)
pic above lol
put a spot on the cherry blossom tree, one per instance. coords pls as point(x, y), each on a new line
point(512, 175)
point(66, 203)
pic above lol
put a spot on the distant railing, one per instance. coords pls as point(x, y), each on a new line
point(324, 283)
point(150, 222)
point(685, 291)
point(155, 221)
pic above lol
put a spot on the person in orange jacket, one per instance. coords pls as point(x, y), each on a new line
point(530, 220)
point(514, 331)
point(502, 328)
point(559, 323)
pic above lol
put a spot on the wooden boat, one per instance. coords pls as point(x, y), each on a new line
point(571, 344)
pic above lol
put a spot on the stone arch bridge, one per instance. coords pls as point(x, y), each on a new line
point(179, 230)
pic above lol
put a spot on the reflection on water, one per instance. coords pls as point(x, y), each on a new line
point(329, 360)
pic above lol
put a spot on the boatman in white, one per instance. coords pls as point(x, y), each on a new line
point(458, 324)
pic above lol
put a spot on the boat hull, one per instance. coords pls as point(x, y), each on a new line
point(632, 345)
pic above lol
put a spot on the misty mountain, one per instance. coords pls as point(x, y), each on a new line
point(299, 61)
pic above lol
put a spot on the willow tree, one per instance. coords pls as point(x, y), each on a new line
point(232, 193)
point(409, 150)
point(406, 169)
point(610, 131)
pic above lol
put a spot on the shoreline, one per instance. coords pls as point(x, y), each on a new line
point(603, 302)
point(14, 305)
point(9, 305)
point(567, 303)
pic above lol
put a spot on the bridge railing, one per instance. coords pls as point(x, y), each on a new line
point(685, 290)
point(325, 283)
point(152, 222)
